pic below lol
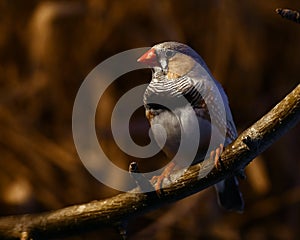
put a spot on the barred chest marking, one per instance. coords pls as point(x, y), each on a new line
point(163, 94)
point(178, 115)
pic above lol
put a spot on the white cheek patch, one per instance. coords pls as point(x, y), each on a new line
point(164, 64)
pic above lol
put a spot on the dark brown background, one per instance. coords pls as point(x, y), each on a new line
point(47, 49)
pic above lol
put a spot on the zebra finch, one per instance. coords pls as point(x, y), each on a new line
point(181, 87)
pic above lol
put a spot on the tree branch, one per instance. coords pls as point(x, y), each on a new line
point(119, 209)
point(289, 14)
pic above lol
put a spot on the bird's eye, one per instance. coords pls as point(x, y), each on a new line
point(169, 53)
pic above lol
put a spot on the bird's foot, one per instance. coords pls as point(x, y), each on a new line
point(158, 180)
point(215, 156)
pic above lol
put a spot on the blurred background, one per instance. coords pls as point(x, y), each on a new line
point(47, 48)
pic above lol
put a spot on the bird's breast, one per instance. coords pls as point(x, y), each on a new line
point(169, 128)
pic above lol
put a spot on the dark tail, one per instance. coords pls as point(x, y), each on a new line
point(230, 196)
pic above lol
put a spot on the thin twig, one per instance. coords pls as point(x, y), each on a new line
point(120, 208)
point(141, 181)
point(289, 14)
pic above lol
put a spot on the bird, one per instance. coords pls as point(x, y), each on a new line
point(181, 87)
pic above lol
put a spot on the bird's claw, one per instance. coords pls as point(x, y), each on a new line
point(215, 156)
point(158, 180)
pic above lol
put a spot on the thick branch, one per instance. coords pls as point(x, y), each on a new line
point(80, 218)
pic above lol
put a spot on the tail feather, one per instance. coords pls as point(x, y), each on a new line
point(229, 194)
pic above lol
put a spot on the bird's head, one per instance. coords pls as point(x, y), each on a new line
point(173, 59)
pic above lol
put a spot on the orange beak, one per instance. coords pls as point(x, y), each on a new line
point(149, 58)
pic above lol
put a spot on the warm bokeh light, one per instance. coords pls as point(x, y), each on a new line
point(48, 47)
